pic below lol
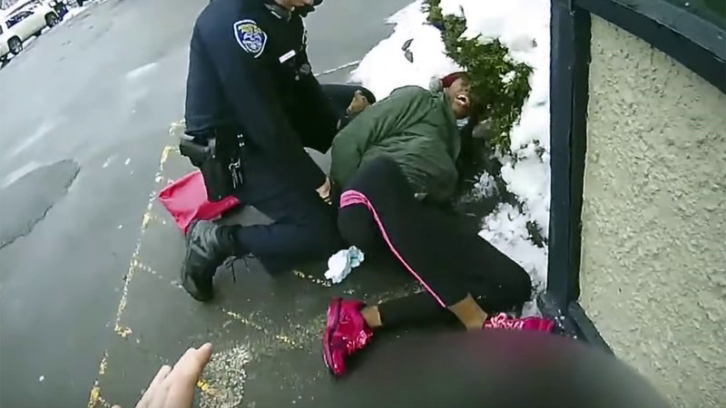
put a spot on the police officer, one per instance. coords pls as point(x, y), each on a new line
point(250, 82)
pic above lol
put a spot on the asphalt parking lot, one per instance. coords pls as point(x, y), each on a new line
point(89, 300)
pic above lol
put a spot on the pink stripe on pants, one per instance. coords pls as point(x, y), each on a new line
point(352, 197)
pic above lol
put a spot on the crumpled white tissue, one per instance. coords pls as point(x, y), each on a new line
point(342, 263)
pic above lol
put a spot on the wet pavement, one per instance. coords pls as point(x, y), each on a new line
point(89, 300)
point(32, 204)
point(266, 331)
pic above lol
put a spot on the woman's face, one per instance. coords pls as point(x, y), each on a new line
point(460, 96)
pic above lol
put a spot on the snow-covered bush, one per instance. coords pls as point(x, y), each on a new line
point(499, 84)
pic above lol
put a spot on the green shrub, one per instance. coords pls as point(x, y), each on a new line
point(496, 100)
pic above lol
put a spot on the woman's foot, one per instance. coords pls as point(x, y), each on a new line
point(346, 332)
point(502, 321)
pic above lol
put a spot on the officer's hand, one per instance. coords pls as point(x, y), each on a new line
point(324, 191)
point(174, 387)
point(358, 104)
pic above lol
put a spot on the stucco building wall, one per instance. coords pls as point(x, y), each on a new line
point(653, 270)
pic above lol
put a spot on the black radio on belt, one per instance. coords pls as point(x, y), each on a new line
point(220, 161)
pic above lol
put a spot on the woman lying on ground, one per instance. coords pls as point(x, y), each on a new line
point(396, 153)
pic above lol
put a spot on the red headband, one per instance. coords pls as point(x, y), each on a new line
point(449, 80)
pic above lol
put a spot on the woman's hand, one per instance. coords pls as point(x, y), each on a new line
point(324, 191)
point(174, 387)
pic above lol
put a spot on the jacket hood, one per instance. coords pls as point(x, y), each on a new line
point(452, 137)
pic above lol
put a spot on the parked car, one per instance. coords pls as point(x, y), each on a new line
point(22, 22)
point(4, 49)
point(60, 7)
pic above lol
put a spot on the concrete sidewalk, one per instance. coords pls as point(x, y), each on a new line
point(266, 331)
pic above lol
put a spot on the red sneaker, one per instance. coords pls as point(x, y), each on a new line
point(346, 332)
point(502, 321)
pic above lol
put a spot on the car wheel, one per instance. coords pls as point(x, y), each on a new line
point(15, 45)
point(51, 20)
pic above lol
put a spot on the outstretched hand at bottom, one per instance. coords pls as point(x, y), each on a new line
point(174, 387)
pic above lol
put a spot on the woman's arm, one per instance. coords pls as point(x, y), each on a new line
point(383, 119)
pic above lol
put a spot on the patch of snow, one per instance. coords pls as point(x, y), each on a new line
point(386, 68)
point(523, 26)
point(486, 186)
point(506, 229)
point(529, 180)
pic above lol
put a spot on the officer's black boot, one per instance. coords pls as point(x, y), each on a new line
point(207, 249)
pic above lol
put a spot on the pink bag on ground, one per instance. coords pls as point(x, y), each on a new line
point(186, 201)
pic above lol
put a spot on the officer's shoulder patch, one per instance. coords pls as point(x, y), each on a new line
point(250, 37)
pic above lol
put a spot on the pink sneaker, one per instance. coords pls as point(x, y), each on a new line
point(502, 321)
point(346, 333)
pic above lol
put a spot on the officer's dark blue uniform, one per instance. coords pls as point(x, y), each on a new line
point(249, 74)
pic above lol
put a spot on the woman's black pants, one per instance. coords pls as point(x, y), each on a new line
point(380, 213)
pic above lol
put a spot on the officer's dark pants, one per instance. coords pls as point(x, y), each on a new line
point(304, 227)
